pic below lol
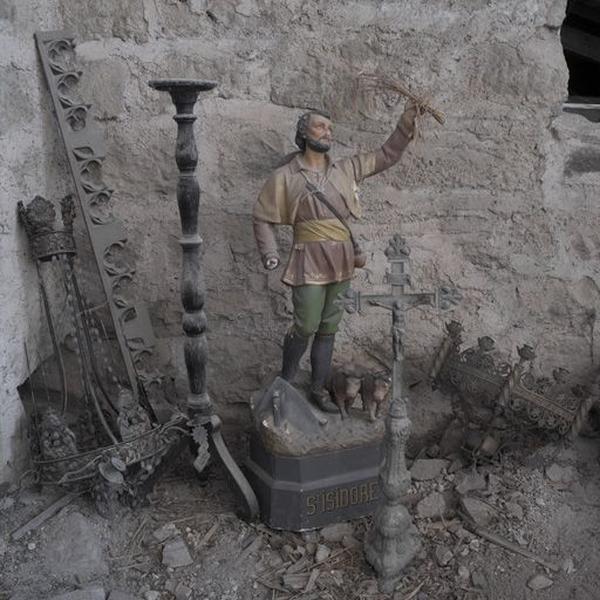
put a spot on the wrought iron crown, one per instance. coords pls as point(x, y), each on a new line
point(45, 239)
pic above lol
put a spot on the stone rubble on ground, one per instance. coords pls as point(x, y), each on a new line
point(322, 553)
point(118, 595)
point(443, 555)
point(167, 531)
point(433, 506)
point(336, 532)
point(176, 554)
point(559, 474)
point(477, 511)
point(539, 582)
point(424, 469)
point(88, 593)
point(471, 482)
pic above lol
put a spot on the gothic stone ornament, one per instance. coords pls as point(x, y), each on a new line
point(184, 94)
point(556, 403)
point(85, 152)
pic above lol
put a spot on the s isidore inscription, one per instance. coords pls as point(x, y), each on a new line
point(339, 498)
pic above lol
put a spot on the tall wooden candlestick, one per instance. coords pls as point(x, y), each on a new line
point(184, 93)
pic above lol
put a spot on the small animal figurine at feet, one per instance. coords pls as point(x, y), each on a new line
point(374, 392)
point(344, 388)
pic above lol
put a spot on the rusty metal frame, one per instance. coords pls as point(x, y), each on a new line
point(556, 403)
point(85, 149)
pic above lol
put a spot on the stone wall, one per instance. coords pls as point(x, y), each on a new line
point(29, 165)
point(498, 202)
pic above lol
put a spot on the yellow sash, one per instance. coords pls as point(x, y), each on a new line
point(320, 230)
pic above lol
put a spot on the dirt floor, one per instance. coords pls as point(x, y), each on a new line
point(186, 542)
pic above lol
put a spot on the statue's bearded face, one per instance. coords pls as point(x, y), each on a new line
point(319, 133)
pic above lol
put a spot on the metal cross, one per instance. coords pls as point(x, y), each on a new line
point(398, 277)
point(394, 541)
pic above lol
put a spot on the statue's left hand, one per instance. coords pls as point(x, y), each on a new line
point(407, 120)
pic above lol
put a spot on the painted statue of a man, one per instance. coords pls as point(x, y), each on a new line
point(316, 195)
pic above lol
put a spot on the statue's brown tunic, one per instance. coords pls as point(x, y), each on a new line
point(322, 251)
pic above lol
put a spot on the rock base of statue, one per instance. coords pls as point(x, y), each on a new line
point(310, 469)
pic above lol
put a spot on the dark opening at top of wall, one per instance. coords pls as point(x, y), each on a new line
point(580, 36)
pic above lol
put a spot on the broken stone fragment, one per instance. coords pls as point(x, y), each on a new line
point(477, 511)
point(151, 595)
point(322, 553)
point(424, 469)
point(336, 532)
point(558, 474)
point(295, 581)
point(183, 592)
point(515, 510)
point(568, 566)
point(349, 541)
point(471, 482)
point(432, 506)
point(443, 555)
point(176, 554)
point(464, 573)
point(539, 582)
point(489, 446)
point(168, 530)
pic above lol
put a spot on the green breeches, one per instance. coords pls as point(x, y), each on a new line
point(315, 310)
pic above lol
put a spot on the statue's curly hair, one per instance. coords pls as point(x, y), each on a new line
point(302, 126)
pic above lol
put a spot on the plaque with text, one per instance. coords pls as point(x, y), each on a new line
point(305, 492)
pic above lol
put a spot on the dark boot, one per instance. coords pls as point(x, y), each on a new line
point(294, 346)
point(320, 365)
